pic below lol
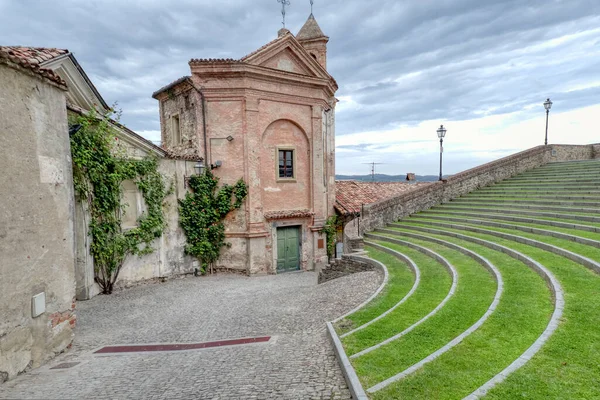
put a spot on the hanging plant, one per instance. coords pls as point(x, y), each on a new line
point(201, 215)
point(98, 174)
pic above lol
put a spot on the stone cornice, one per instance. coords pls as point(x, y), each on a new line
point(243, 70)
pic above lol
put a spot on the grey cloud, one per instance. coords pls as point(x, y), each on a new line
point(459, 58)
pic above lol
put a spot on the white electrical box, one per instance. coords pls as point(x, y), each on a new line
point(38, 304)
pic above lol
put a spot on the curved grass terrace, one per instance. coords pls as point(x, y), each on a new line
point(523, 320)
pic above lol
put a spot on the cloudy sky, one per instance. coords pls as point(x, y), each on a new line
point(483, 68)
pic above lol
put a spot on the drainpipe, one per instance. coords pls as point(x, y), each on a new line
point(203, 99)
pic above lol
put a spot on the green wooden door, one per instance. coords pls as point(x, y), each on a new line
point(288, 249)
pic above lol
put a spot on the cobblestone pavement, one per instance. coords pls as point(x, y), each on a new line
point(298, 362)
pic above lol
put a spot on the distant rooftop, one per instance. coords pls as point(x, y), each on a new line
point(351, 195)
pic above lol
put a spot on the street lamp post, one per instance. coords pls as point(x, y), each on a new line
point(441, 132)
point(547, 106)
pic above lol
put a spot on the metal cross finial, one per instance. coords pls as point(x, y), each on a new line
point(283, 4)
point(311, 6)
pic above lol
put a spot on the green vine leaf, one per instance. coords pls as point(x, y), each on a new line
point(98, 173)
point(201, 215)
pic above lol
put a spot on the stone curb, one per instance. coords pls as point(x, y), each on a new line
point(557, 224)
point(559, 304)
point(454, 342)
point(354, 385)
point(416, 272)
point(586, 262)
point(376, 264)
point(491, 189)
point(505, 184)
point(537, 195)
point(524, 206)
point(475, 199)
point(574, 217)
point(451, 292)
point(356, 389)
point(537, 231)
point(554, 180)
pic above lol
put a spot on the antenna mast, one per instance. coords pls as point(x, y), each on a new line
point(373, 164)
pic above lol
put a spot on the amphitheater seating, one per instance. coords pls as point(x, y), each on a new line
point(493, 295)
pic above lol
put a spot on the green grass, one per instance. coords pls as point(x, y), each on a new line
point(484, 214)
point(569, 231)
point(521, 316)
point(578, 248)
point(400, 281)
point(568, 365)
point(504, 207)
point(434, 286)
point(474, 294)
point(507, 199)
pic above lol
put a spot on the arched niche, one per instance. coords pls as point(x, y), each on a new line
point(285, 193)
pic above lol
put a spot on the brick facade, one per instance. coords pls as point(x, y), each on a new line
point(240, 113)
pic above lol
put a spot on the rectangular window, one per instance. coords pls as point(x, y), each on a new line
point(175, 130)
point(286, 163)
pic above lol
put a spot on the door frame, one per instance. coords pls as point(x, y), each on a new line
point(282, 225)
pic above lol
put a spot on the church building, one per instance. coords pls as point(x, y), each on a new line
point(267, 118)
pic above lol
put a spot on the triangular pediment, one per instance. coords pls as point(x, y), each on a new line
point(287, 54)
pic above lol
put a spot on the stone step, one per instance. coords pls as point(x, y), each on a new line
point(563, 185)
point(492, 205)
point(519, 192)
point(582, 173)
point(473, 199)
point(486, 215)
point(572, 162)
point(524, 211)
point(578, 258)
point(529, 195)
point(551, 180)
point(435, 221)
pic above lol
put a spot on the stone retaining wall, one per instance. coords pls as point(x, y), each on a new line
point(342, 267)
point(377, 215)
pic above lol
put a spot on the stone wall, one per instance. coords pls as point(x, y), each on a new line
point(377, 215)
point(342, 267)
point(36, 221)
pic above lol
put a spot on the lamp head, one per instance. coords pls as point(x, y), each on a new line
point(441, 132)
point(199, 167)
point(547, 104)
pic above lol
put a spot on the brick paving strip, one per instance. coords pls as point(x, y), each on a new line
point(179, 347)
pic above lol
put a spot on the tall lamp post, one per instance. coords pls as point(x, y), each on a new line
point(547, 106)
point(441, 133)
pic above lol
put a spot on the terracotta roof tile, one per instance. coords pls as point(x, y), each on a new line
point(34, 55)
point(289, 214)
point(214, 61)
point(28, 57)
point(351, 195)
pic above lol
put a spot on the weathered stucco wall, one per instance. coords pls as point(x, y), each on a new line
point(377, 215)
point(167, 260)
point(36, 221)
